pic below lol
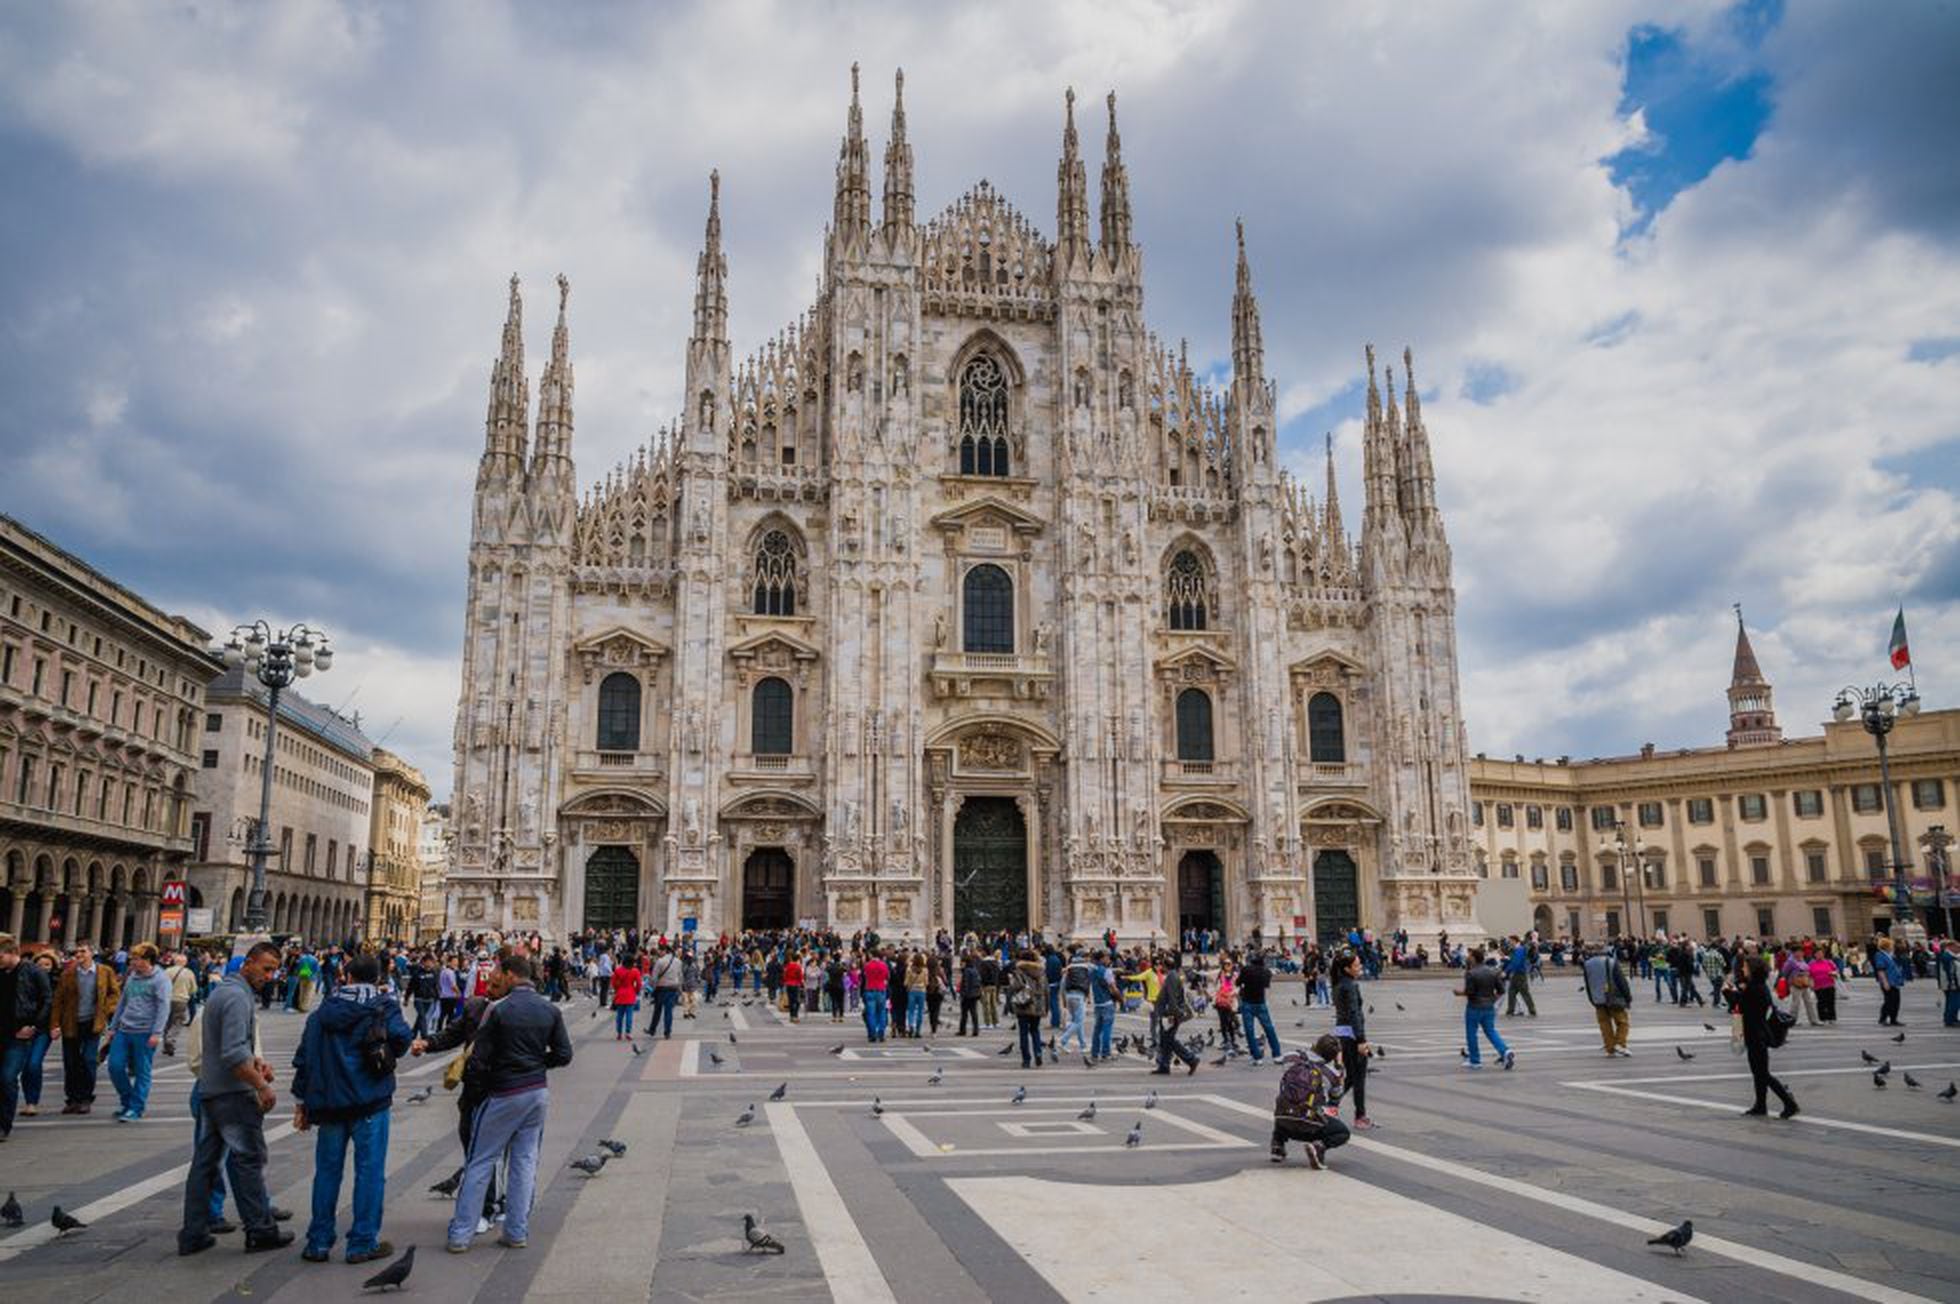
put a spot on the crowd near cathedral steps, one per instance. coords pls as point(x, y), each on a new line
point(964, 602)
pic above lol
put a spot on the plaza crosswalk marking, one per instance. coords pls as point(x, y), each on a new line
point(847, 1263)
point(1204, 1236)
point(899, 1124)
point(691, 1058)
point(1749, 1254)
point(588, 1258)
point(738, 1019)
point(1684, 1079)
point(1846, 1125)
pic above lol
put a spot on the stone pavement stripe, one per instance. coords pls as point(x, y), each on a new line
point(739, 1019)
point(1806, 1117)
point(592, 1256)
point(847, 1263)
point(691, 1058)
point(1200, 1239)
point(1748, 1254)
point(664, 1063)
point(1682, 1080)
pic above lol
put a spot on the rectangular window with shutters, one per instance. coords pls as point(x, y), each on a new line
point(1660, 921)
point(1476, 814)
point(312, 851)
point(1612, 923)
point(1864, 798)
point(201, 835)
point(1820, 921)
point(1534, 817)
point(1568, 877)
point(1705, 867)
point(1809, 804)
point(1609, 877)
point(1603, 817)
point(1759, 870)
point(1711, 921)
point(26, 780)
point(1701, 810)
point(1752, 806)
point(213, 722)
point(210, 759)
point(1565, 819)
point(1503, 814)
point(1875, 862)
point(1765, 921)
point(1510, 869)
point(1815, 867)
point(1650, 814)
point(1540, 876)
point(1928, 794)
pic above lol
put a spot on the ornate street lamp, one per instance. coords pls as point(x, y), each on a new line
point(1879, 707)
point(1627, 839)
point(275, 659)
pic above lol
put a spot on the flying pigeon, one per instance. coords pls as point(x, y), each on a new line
point(63, 1224)
point(394, 1274)
point(938, 1076)
point(779, 1092)
point(420, 1095)
point(10, 1212)
point(1952, 1090)
point(447, 1186)
point(1020, 1095)
point(1912, 1082)
point(1686, 1055)
point(1675, 1238)
point(1135, 1138)
point(1150, 1101)
point(618, 1148)
point(759, 1241)
point(590, 1164)
point(1088, 1115)
point(747, 1117)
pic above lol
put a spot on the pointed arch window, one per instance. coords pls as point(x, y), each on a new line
point(772, 726)
point(619, 713)
point(988, 610)
point(775, 575)
point(1326, 733)
point(983, 418)
point(1187, 592)
point(1194, 725)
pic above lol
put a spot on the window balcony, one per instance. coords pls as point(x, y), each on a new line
point(991, 674)
point(1219, 774)
point(1334, 774)
point(602, 766)
point(748, 767)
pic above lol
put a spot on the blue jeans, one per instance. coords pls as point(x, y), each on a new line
point(1256, 1016)
point(30, 1073)
point(1322, 993)
point(197, 1133)
point(1054, 1005)
point(915, 1010)
point(514, 1123)
point(1073, 1026)
point(1029, 1026)
point(13, 1059)
point(1951, 1015)
point(1664, 976)
point(231, 1137)
point(370, 1138)
point(875, 1019)
point(662, 1020)
point(1105, 1029)
point(623, 1020)
point(78, 1062)
point(130, 1054)
point(1482, 1018)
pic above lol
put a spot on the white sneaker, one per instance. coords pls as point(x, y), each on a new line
point(482, 1225)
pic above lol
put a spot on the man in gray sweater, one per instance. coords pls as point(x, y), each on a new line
point(235, 1087)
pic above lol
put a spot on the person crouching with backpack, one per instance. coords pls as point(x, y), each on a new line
point(1306, 1109)
point(344, 1077)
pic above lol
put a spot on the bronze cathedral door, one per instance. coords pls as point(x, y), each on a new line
point(990, 867)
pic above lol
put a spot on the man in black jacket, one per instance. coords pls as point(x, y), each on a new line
point(521, 1038)
point(26, 996)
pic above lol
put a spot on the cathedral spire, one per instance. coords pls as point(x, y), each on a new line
point(1248, 344)
point(1072, 194)
point(1332, 526)
point(711, 274)
point(510, 393)
point(1378, 461)
point(852, 216)
point(1752, 707)
point(898, 166)
point(1115, 192)
point(1416, 463)
point(554, 433)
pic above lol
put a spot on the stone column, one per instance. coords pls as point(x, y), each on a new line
point(46, 913)
point(16, 913)
point(1031, 822)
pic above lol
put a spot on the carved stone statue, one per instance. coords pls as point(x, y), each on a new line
point(1041, 636)
point(939, 630)
point(691, 820)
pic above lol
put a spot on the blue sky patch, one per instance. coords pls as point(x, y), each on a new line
point(1933, 350)
point(1486, 382)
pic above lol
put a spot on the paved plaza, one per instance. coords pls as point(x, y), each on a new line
point(1542, 1183)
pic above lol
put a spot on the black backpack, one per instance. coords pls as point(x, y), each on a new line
point(376, 1053)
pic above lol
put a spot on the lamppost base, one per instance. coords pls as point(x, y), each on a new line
point(1907, 933)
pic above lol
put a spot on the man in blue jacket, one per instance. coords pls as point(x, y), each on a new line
point(1518, 969)
point(344, 1099)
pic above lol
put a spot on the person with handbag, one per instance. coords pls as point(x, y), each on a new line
point(1763, 1028)
point(344, 1080)
point(1027, 1000)
point(1173, 1008)
point(460, 1032)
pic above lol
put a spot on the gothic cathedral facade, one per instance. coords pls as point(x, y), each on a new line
point(963, 603)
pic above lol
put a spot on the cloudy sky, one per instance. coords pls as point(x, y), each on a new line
point(1682, 279)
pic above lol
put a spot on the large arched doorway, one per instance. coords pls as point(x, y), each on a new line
point(769, 889)
point(1200, 891)
point(612, 889)
point(1336, 896)
point(1541, 921)
point(990, 867)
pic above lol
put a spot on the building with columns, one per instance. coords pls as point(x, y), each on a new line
point(432, 850)
point(964, 602)
point(100, 694)
point(400, 805)
point(1764, 835)
point(322, 797)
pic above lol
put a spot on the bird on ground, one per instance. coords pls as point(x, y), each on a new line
point(590, 1164)
point(1899, 1040)
point(1299, 1023)
point(1006, 1050)
point(838, 1049)
point(1088, 1063)
point(1371, 1009)
point(1088, 1115)
point(1462, 1053)
point(747, 1117)
point(1150, 1101)
point(1020, 1095)
point(877, 1107)
point(1708, 1027)
point(1885, 1068)
point(394, 1274)
point(618, 1148)
point(1398, 1005)
point(420, 1095)
point(1377, 1051)
point(1878, 1080)
point(1135, 1138)
point(10, 1212)
point(1296, 1000)
point(758, 1241)
point(1912, 1082)
point(927, 1048)
point(64, 1223)
point(1686, 1055)
point(1675, 1238)
point(1952, 1090)
point(595, 1013)
point(447, 1186)
point(1868, 1057)
point(779, 1092)
point(731, 1039)
point(636, 1048)
point(714, 1057)
point(1219, 1062)
point(938, 1076)
point(724, 1014)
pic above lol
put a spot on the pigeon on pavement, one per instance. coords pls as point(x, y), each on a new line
point(1398, 1005)
point(1899, 1040)
point(10, 1212)
point(394, 1274)
point(1150, 1101)
point(1878, 1080)
point(63, 1223)
point(1885, 1068)
point(1135, 1138)
point(877, 1107)
point(759, 1241)
point(636, 1047)
point(1868, 1057)
point(747, 1117)
point(618, 1148)
point(1952, 1090)
point(1912, 1082)
point(1675, 1238)
point(779, 1092)
point(447, 1186)
point(1006, 1050)
point(1088, 1115)
point(1020, 1095)
point(590, 1164)
point(1686, 1055)
point(731, 1039)
point(938, 1076)
point(420, 1095)
point(1708, 1027)
point(714, 1057)
point(838, 1049)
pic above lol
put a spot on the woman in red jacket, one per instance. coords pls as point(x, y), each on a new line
point(626, 980)
point(793, 984)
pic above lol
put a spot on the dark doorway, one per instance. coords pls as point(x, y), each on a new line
point(1200, 891)
point(612, 889)
point(990, 867)
point(769, 889)
point(1336, 897)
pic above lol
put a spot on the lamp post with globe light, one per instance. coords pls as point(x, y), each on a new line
point(275, 659)
point(1878, 708)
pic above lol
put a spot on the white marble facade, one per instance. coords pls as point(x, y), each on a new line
point(963, 601)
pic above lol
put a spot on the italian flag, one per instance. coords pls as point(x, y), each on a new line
point(1901, 655)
